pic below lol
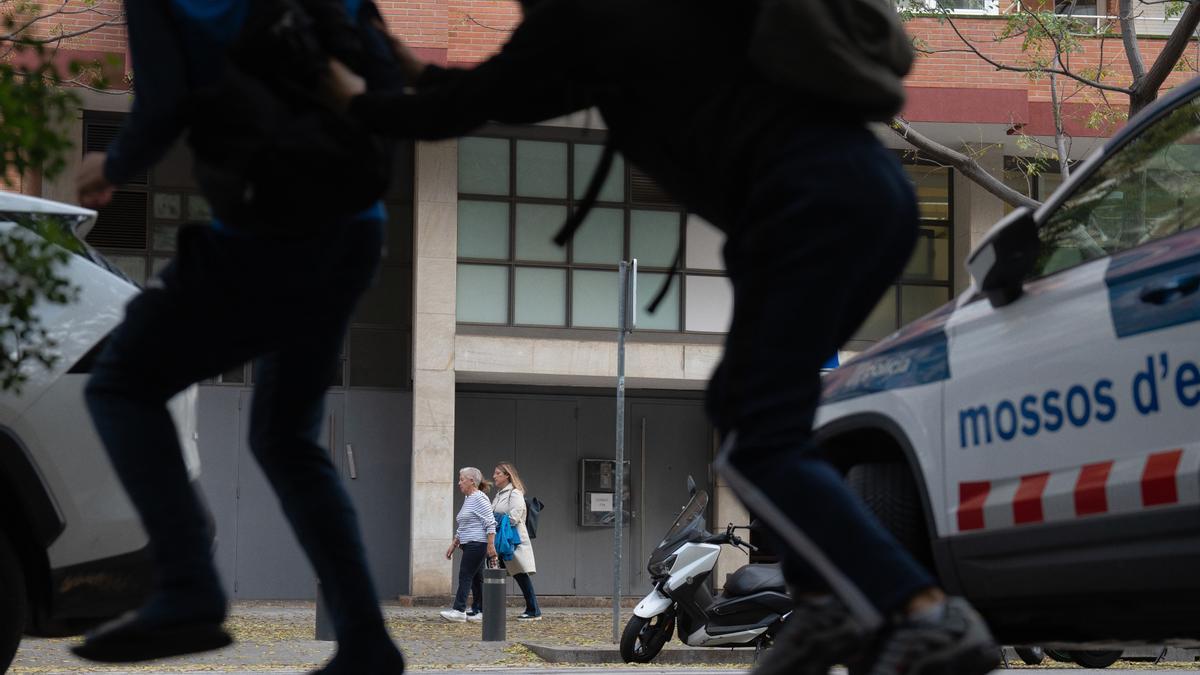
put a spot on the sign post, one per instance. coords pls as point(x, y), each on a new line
point(626, 322)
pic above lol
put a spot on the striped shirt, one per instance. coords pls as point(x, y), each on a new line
point(475, 519)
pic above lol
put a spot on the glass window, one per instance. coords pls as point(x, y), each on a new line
point(541, 169)
point(932, 184)
point(541, 296)
point(483, 230)
point(654, 237)
point(586, 159)
point(601, 237)
point(1146, 190)
point(931, 257)
point(482, 293)
point(704, 243)
point(536, 226)
point(483, 166)
point(666, 317)
point(134, 266)
point(917, 301)
point(594, 299)
point(709, 303)
point(882, 321)
point(511, 272)
point(163, 237)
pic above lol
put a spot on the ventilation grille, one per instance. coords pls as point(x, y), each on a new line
point(121, 224)
point(643, 190)
point(97, 136)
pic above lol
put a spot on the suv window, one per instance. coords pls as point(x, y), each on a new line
point(60, 229)
point(1147, 190)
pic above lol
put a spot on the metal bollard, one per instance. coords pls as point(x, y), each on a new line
point(493, 604)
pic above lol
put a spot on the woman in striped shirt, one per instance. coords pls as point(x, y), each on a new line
point(476, 536)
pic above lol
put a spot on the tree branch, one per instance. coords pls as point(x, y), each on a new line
point(1145, 89)
point(1133, 52)
point(968, 166)
point(1021, 69)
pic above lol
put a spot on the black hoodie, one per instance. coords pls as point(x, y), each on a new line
point(670, 77)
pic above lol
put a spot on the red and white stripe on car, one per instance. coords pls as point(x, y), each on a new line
point(1164, 478)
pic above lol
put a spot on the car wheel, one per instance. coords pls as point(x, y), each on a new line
point(15, 608)
point(1032, 656)
point(891, 495)
point(1097, 658)
point(643, 639)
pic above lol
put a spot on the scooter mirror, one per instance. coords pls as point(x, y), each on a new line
point(691, 487)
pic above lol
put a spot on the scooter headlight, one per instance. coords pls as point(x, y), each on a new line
point(663, 567)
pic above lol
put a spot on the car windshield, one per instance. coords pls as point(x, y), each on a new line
point(59, 228)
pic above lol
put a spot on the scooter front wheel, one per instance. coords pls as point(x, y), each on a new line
point(643, 639)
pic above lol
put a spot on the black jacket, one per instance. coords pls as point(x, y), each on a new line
point(670, 77)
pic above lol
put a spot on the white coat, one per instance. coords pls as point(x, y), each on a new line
point(512, 501)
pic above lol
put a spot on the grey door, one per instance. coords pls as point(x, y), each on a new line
point(669, 441)
point(378, 437)
point(594, 565)
point(218, 426)
point(270, 563)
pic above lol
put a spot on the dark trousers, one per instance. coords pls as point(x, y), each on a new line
point(224, 300)
point(525, 583)
point(526, 586)
point(470, 576)
point(828, 227)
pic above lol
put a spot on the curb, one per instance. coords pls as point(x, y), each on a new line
point(671, 656)
point(515, 600)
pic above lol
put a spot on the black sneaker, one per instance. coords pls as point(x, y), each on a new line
point(957, 644)
point(132, 638)
point(816, 635)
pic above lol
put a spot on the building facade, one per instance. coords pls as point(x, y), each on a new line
point(484, 342)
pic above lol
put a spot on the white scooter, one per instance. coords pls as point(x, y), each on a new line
point(749, 612)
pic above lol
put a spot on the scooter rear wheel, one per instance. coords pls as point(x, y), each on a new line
point(643, 639)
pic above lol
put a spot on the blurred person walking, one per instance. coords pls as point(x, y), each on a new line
point(239, 289)
point(820, 220)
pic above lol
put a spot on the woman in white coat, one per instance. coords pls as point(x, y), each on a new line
point(510, 499)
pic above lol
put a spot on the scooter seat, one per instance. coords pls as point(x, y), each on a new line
point(753, 579)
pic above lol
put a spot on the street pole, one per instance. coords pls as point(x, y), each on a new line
point(626, 320)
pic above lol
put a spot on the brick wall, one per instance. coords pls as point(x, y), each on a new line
point(969, 71)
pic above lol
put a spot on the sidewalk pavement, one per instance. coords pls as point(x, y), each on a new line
point(278, 636)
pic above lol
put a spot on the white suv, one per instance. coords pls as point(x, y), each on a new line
point(72, 550)
point(1037, 441)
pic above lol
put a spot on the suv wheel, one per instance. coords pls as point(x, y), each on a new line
point(14, 609)
point(890, 494)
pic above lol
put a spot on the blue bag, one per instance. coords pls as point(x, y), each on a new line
point(507, 537)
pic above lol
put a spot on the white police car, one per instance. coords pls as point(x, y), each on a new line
point(72, 550)
point(1037, 441)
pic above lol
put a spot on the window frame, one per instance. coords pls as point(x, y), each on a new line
point(573, 137)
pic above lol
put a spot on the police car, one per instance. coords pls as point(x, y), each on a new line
point(1037, 441)
point(72, 549)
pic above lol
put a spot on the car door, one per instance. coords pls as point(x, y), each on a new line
point(1071, 413)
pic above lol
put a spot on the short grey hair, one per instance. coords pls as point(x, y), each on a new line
point(474, 474)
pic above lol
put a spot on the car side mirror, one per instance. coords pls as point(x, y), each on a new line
point(691, 487)
point(1000, 264)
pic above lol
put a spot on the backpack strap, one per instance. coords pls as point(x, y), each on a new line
point(600, 175)
point(676, 266)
